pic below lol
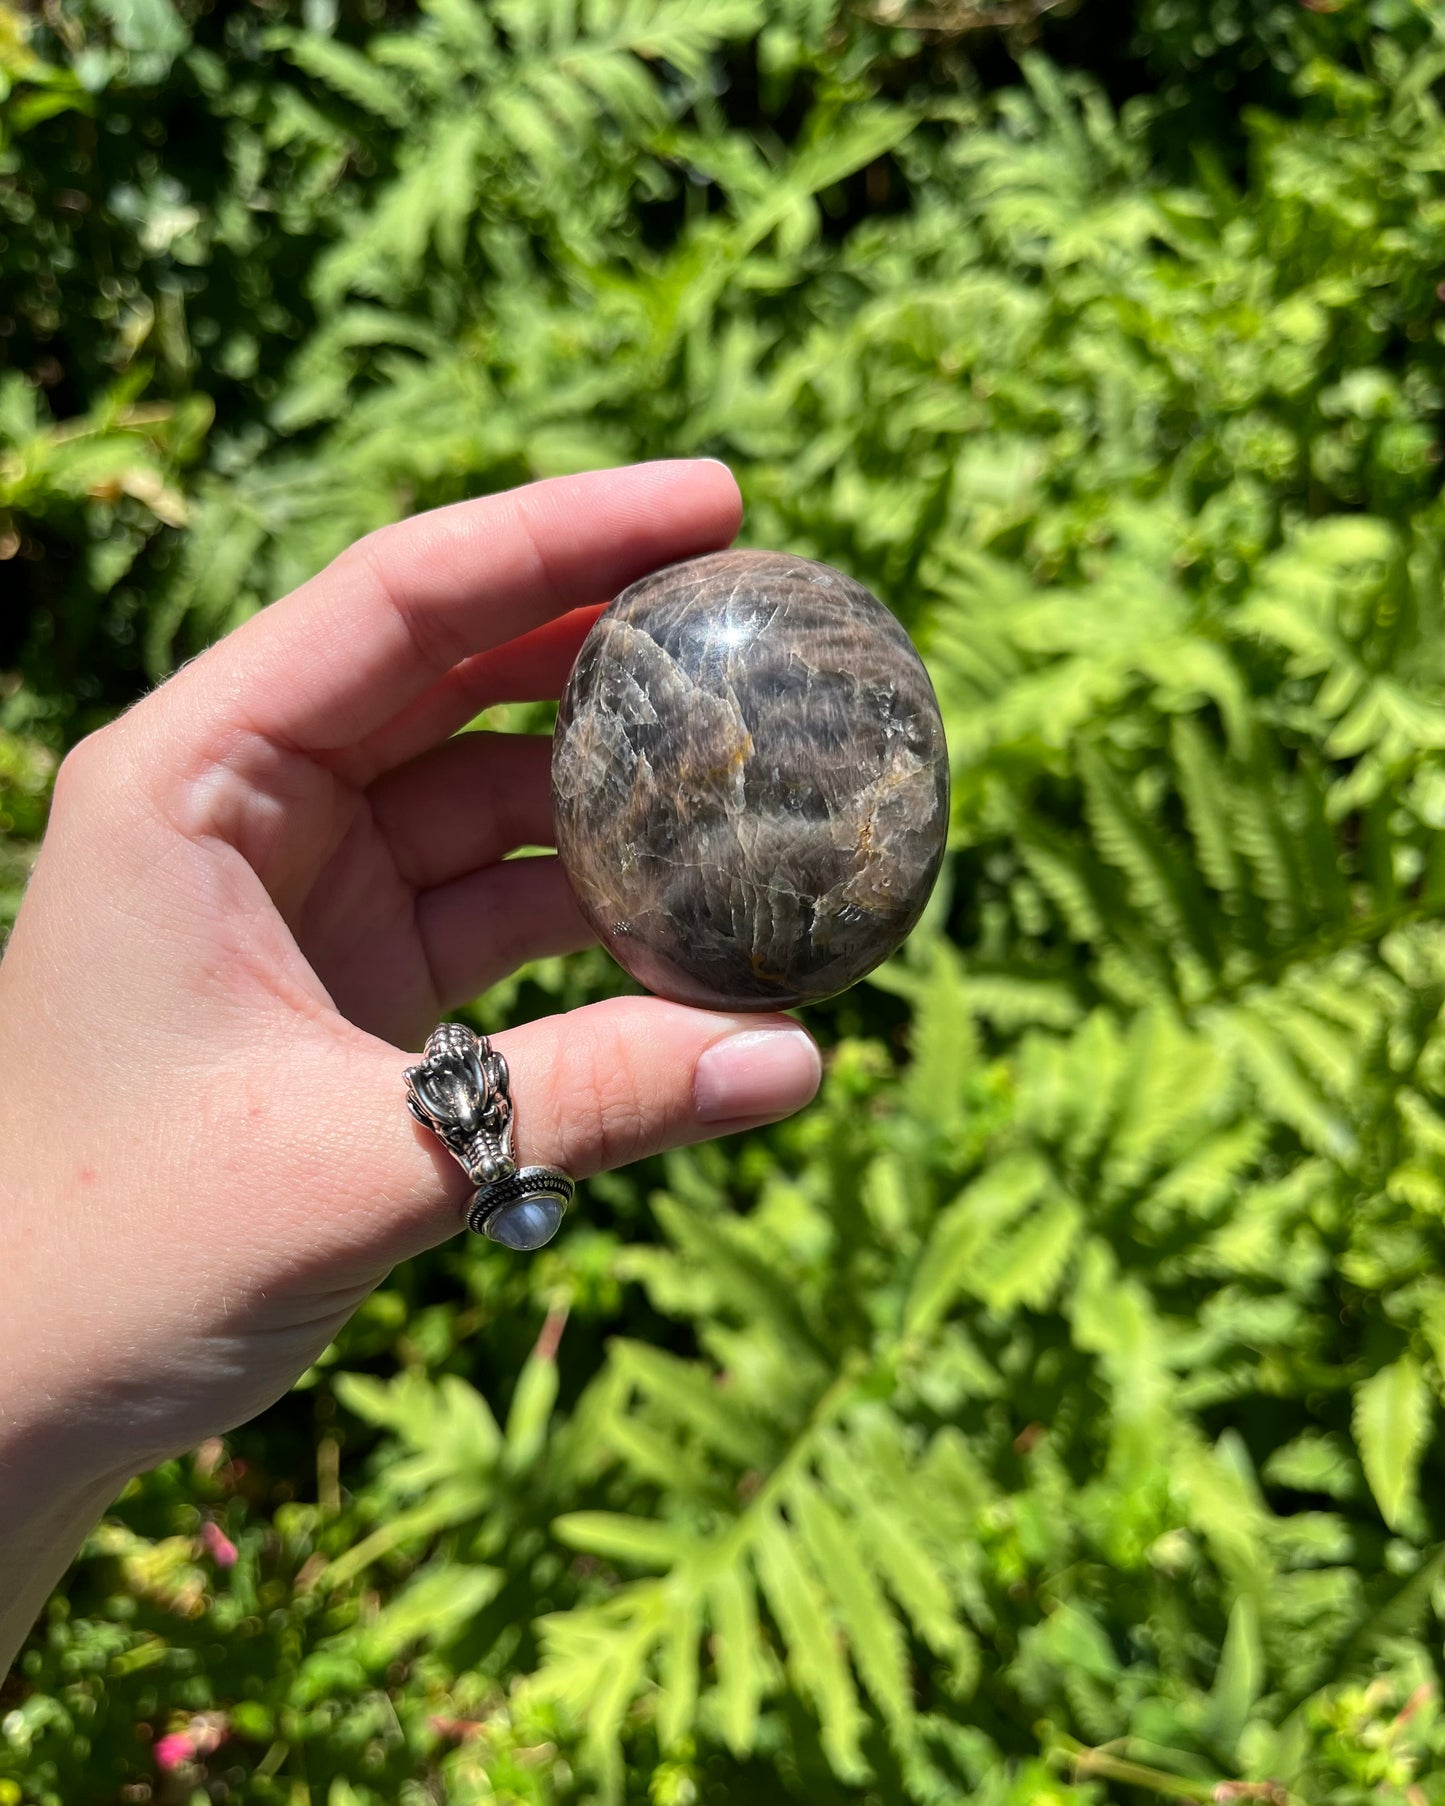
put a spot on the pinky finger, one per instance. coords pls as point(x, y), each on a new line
point(479, 928)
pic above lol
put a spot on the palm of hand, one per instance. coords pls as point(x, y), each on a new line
point(358, 927)
point(382, 860)
point(352, 891)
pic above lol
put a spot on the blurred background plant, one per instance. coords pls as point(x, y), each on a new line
point(1052, 1412)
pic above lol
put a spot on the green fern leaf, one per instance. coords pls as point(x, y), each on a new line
point(897, 1543)
point(618, 1537)
point(873, 1632)
point(435, 1606)
point(815, 1659)
point(756, 1289)
point(1286, 1090)
point(679, 1664)
point(1208, 1174)
point(1209, 807)
point(737, 1655)
point(1391, 1420)
point(1162, 886)
point(1174, 1089)
point(1114, 1318)
point(943, 1042)
point(1028, 1266)
point(617, 1685)
point(695, 1403)
point(533, 1401)
point(1067, 882)
point(449, 1425)
point(1263, 837)
point(658, 1459)
point(1238, 1680)
point(946, 1265)
point(347, 72)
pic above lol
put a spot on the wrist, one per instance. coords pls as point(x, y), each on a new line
point(65, 1436)
point(43, 1523)
point(62, 1358)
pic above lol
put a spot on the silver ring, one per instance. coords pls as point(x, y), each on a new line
point(460, 1091)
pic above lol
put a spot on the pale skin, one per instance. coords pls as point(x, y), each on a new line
point(259, 890)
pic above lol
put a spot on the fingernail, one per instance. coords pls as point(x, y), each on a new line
point(760, 1072)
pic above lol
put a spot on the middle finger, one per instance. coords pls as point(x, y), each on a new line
point(531, 668)
point(465, 804)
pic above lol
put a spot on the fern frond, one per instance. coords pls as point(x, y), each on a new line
point(346, 72)
point(873, 1632)
point(799, 1603)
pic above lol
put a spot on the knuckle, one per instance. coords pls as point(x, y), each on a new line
point(526, 527)
point(81, 769)
point(107, 782)
point(436, 645)
point(603, 1117)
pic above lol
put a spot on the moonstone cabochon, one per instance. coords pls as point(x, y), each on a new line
point(529, 1223)
point(750, 781)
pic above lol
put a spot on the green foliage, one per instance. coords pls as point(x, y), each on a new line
point(1051, 1412)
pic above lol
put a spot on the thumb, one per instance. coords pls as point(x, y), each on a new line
point(591, 1089)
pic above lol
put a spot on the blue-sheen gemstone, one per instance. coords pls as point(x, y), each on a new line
point(529, 1223)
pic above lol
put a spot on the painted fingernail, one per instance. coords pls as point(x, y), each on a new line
point(759, 1072)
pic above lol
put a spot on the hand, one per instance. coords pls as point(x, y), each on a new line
point(259, 887)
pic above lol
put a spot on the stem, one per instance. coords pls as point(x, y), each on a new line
point(1086, 1761)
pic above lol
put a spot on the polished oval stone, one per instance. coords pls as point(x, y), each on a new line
point(529, 1223)
point(750, 781)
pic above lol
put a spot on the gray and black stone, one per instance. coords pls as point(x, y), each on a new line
point(750, 780)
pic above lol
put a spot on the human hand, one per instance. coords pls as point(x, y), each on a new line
point(260, 886)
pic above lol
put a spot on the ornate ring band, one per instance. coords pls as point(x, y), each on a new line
point(460, 1091)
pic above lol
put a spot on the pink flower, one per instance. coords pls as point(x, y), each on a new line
point(205, 1734)
point(172, 1752)
point(219, 1546)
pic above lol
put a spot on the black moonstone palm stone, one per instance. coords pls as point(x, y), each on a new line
point(750, 781)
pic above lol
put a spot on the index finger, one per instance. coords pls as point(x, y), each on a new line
point(340, 656)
